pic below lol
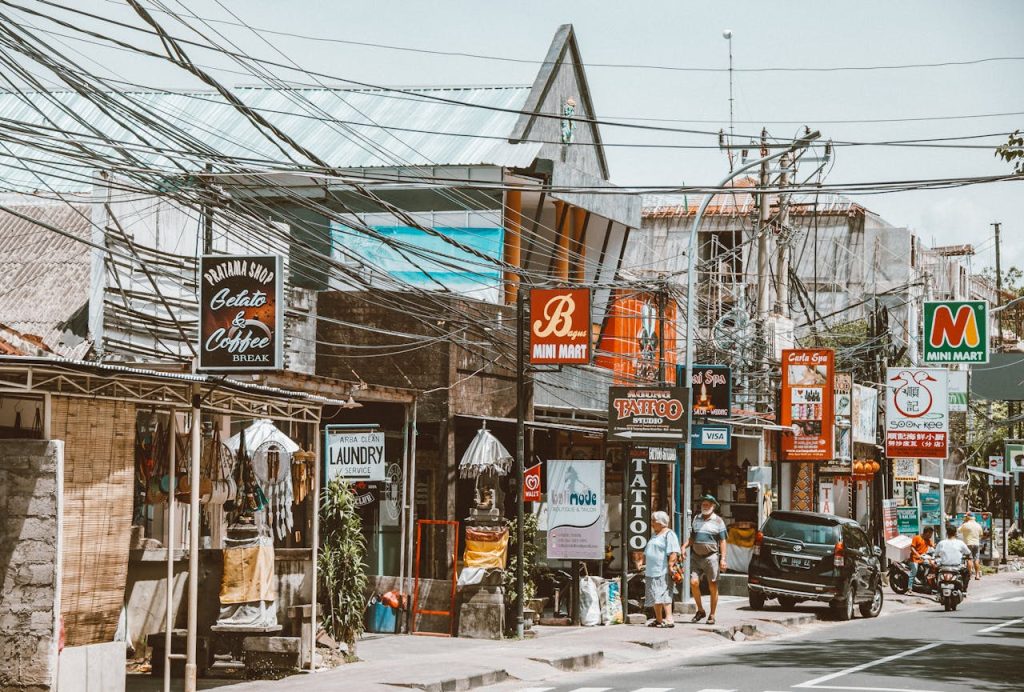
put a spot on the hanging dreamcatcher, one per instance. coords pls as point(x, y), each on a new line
point(271, 463)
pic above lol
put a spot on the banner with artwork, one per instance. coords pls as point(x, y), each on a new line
point(808, 378)
point(575, 506)
point(865, 414)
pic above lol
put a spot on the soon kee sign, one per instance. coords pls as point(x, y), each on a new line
point(241, 312)
point(916, 413)
point(559, 326)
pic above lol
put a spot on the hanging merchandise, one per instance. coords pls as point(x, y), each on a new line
point(302, 479)
point(271, 463)
point(267, 475)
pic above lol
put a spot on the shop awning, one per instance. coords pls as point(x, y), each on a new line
point(935, 481)
point(593, 430)
point(991, 472)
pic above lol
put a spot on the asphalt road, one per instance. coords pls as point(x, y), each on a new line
point(979, 647)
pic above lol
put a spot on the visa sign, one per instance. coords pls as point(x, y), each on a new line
point(711, 437)
point(956, 331)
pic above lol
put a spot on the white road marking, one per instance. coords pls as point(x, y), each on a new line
point(710, 689)
point(536, 689)
point(591, 689)
point(993, 628)
point(816, 682)
point(669, 689)
point(871, 689)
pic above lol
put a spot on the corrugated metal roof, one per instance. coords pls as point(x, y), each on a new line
point(744, 203)
point(44, 276)
point(345, 127)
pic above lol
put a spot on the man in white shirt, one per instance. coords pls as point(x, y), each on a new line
point(952, 551)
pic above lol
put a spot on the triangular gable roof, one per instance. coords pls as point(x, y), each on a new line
point(562, 45)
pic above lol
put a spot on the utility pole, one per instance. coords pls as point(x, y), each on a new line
point(782, 247)
point(999, 290)
point(520, 452)
point(762, 236)
point(763, 212)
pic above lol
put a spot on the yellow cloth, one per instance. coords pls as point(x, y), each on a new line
point(487, 549)
point(742, 536)
point(248, 575)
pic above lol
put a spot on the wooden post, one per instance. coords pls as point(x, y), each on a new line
point(579, 247)
point(513, 241)
point(562, 242)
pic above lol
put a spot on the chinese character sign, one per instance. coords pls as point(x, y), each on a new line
point(916, 413)
point(808, 378)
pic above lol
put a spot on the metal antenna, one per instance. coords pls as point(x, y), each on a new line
point(727, 35)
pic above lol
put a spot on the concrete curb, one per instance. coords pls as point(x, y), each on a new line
point(456, 684)
point(761, 629)
point(581, 661)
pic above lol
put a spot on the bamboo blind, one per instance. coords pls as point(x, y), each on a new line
point(99, 460)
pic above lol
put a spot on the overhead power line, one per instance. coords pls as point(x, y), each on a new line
point(588, 65)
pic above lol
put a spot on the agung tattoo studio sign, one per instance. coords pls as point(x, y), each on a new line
point(241, 312)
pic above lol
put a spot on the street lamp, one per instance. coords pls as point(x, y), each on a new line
point(691, 266)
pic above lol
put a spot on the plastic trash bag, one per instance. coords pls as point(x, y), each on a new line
point(611, 603)
point(590, 602)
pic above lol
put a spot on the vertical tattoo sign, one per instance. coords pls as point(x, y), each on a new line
point(241, 313)
point(638, 500)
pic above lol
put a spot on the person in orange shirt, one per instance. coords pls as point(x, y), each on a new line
point(919, 545)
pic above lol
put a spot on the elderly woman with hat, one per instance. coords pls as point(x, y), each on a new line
point(660, 557)
point(707, 554)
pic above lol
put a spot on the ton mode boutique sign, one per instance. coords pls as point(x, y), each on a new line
point(241, 313)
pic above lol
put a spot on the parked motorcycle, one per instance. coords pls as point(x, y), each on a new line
point(899, 577)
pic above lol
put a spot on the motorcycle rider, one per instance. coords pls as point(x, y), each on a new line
point(951, 553)
point(919, 546)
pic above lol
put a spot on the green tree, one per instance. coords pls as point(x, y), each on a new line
point(342, 565)
point(1013, 152)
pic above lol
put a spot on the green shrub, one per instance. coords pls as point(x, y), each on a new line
point(1017, 546)
point(341, 563)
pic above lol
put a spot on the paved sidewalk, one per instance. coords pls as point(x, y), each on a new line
point(437, 664)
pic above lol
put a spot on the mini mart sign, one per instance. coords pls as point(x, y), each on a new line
point(560, 326)
point(956, 331)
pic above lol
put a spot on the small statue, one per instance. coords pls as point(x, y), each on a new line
point(485, 500)
point(568, 125)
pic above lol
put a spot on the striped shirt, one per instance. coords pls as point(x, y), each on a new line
point(709, 531)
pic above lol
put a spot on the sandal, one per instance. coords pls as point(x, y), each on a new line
point(711, 620)
point(699, 616)
point(654, 623)
point(667, 625)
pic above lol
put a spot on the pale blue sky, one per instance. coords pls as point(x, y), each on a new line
point(689, 34)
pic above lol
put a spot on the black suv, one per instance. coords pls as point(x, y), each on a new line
point(804, 556)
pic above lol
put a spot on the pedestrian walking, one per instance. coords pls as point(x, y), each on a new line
point(660, 558)
point(970, 533)
point(707, 555)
